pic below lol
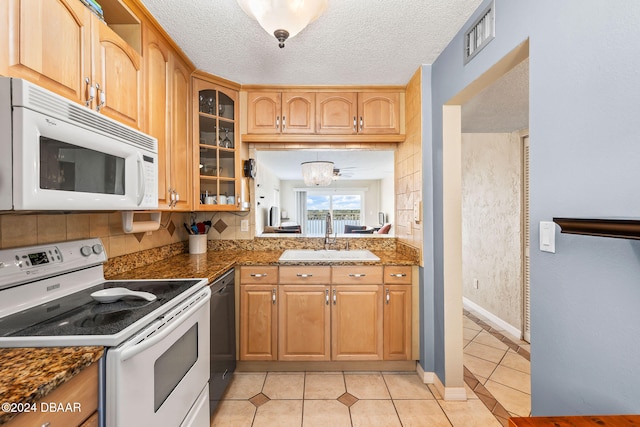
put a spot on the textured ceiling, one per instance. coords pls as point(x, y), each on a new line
point(501, 107)
point(355, 42)
point(353, 164)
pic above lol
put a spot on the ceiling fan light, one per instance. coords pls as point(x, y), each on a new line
point(317, 173)
point(288, 16)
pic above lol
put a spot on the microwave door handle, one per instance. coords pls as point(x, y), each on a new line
point(141, 181)
point(128, 353)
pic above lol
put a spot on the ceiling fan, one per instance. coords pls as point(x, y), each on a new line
point(340, 172)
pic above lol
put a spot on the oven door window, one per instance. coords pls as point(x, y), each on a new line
point(173, 365)
point(69, 167)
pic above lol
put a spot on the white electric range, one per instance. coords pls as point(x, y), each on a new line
point(156, 365)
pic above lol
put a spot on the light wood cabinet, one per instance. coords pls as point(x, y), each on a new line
point(117, 73)
point(81, 390)
point(216, 156)
point(61, 46)
point(397, 312)
point(326, 313)
point(258, 313)
point(367, 113)
point(281, 112)
point(167, 98)
point(47, 43)
point(304, 314)
point(356, 322)
point(397, 322)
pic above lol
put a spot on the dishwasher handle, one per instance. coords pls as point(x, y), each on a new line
point(135, 349)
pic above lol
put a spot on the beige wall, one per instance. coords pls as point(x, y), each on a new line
point(408, 167)
point(491, 223)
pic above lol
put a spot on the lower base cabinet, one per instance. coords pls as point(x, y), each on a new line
point(304, 315)
point(315, 313)
point(356, 322)
point(81, 391)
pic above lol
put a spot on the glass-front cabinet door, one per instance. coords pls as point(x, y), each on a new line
point(217, 161)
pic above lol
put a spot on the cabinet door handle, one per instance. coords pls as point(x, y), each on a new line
point(355, 123)
point(102, 97)
point(326, 296)
point(273, 296)
point(335, 298)
point(398, 275)
point(303, 275)
point(277, 122)
point(284, 122)
point(91, 92)
point(387, 296)
point(361, 123)
point(356, 275)
point(258, 275)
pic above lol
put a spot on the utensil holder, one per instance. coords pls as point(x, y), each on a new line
point(197, 244)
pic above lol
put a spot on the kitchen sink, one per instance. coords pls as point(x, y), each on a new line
point(311, 255)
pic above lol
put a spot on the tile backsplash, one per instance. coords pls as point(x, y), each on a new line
point(32, 229)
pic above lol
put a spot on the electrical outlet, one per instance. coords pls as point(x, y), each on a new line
point(244, 225)
point(475, 283)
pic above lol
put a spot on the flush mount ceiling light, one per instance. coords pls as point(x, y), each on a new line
point(283, 18)
point(318, 173)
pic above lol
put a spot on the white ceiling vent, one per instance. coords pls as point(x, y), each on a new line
point(480, 34)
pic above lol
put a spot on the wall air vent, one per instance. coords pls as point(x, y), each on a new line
point(480, 34)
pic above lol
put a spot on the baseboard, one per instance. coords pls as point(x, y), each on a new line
point(510, 329)
point(426, 377)
point(447, 393)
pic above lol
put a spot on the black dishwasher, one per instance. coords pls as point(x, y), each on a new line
point(223, 336)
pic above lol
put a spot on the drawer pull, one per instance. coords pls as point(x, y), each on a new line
point(304, 275)
point(258, 275)
point(357, 275)
point(273, 296)
point(398, 275)
point(326, 296)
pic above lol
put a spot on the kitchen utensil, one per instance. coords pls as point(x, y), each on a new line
point(189, 230)
point(114, 294)
point(201, 228)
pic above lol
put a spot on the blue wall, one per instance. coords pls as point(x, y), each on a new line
point(585, 161)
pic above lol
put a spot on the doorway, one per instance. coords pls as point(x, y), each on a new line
point(452, 206)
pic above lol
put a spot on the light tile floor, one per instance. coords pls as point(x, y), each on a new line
point(497, 379)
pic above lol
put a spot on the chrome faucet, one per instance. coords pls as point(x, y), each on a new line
point(327, 233)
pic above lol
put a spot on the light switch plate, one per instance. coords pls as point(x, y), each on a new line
point(548, 236)
point(244, 225)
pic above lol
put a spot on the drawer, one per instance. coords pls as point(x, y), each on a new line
point(397, 275)
point(81, 392)
point(357, 274)
point(302, 274)
point(259, 274)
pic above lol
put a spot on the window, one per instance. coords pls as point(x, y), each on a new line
point(345, 209)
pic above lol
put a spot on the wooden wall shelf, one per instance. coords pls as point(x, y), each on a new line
point(623, 228)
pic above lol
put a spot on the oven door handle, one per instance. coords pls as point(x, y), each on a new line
point(135, 349)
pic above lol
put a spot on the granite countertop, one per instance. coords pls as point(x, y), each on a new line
point(29, 374)
point(214, 263)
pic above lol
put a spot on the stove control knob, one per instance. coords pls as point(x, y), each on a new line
point(97, 249)
point(85, 250)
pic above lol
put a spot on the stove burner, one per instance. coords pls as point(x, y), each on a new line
point(102, 319)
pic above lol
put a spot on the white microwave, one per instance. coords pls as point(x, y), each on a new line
point(59, 155)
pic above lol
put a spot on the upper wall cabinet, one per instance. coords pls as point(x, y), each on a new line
point(65, 48)
point(167, 97)
point(372, 113)
point(216, 157)
point(281, 112)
